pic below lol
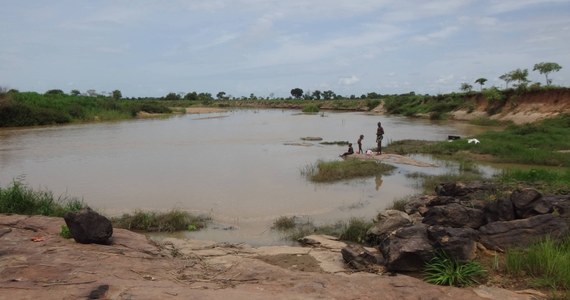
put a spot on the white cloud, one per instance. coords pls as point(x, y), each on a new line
point(350, 80)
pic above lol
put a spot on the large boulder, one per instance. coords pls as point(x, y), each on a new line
point(524, 201)
point(386, 222)
point(454, 215)
point(87, 226)
point(501, 235)
point(500, 210)
point(459, 243)
point(407, 249)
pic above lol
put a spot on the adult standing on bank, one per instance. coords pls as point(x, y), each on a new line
point(360, 144)
point(379, 137)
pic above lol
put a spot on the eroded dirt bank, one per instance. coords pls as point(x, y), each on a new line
point(36, 263)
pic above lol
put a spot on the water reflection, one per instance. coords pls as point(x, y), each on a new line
point(378, 181)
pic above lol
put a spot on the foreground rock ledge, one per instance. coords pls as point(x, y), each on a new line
point(36, 263)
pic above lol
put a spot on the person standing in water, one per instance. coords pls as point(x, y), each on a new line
point(360, 144)
point(379, 137)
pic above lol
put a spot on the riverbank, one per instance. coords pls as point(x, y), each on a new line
point(36, 262)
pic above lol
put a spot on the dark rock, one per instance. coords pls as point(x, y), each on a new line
point(459, 243)
point(500, 210)
point(459, 189)
point(359, 258)
point(442, 200)
point(454, 215)
point(407, 249)
point(87, 226)
point(501, 235)
point(387, 221)
point(99, 292)
point(523, 201)
point(417, 205)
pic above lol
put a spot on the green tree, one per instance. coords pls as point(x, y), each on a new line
point(221, 95)
point(297, 93)
point(546, 68)
point(481, 81)
point(317, 94)
point(520, 76)
point(172, 96)
point(507, 78)
point(75, 92)
point(192, 96)
point(55, 92)
point(117, 95)
point(327, 95)
point(466, 87)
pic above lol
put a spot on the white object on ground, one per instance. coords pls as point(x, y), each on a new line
point(368, 152)
point(476, 141)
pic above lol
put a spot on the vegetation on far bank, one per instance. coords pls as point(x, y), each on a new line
point(544, 143)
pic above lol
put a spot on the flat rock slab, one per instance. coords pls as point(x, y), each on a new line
point(135, 268)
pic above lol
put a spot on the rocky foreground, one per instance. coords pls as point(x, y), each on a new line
point(37, 263)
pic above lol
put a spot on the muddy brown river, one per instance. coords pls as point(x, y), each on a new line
point(241, 167)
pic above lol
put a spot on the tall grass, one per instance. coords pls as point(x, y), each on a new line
point(174, 220)
point(444, 270)
point(294, 228)
point(21, 199)
point(328, 171)
point(548, 262)
point(548, 180)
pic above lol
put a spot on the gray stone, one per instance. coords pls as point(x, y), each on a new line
point(523, 200)
point(500, 210)
point(387, 221)
point(359, 258)
point(407, 249)
point(459, 243)
point(454, 215)
point(501, 235)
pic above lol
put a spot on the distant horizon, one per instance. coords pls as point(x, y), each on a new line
point(149, 48)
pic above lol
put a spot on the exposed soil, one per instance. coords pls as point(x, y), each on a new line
point(527, 108)
point(36, 263)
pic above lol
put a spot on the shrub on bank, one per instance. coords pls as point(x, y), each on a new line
point(174, 220)
point(21, 199)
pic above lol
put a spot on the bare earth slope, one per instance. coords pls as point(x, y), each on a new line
point(526, 108)
point(36, 263)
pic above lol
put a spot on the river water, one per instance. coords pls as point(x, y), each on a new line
point(241, 167)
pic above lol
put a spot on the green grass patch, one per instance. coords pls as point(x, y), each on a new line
point(444, 270)
point(400, 204)
point(339, 143)
point(311, 108)
point(329, 171)
point(21, 199)
point(548, 262)
point(174, 220)
point(556, 181)
point(294, 228)
point(64, 232)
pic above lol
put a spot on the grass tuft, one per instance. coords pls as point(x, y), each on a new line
point(21, 199)
point(174, 220)
point(444, 270)
point(328, 171)
point(547, 261)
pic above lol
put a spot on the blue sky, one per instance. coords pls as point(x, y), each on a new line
point(267, 47)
